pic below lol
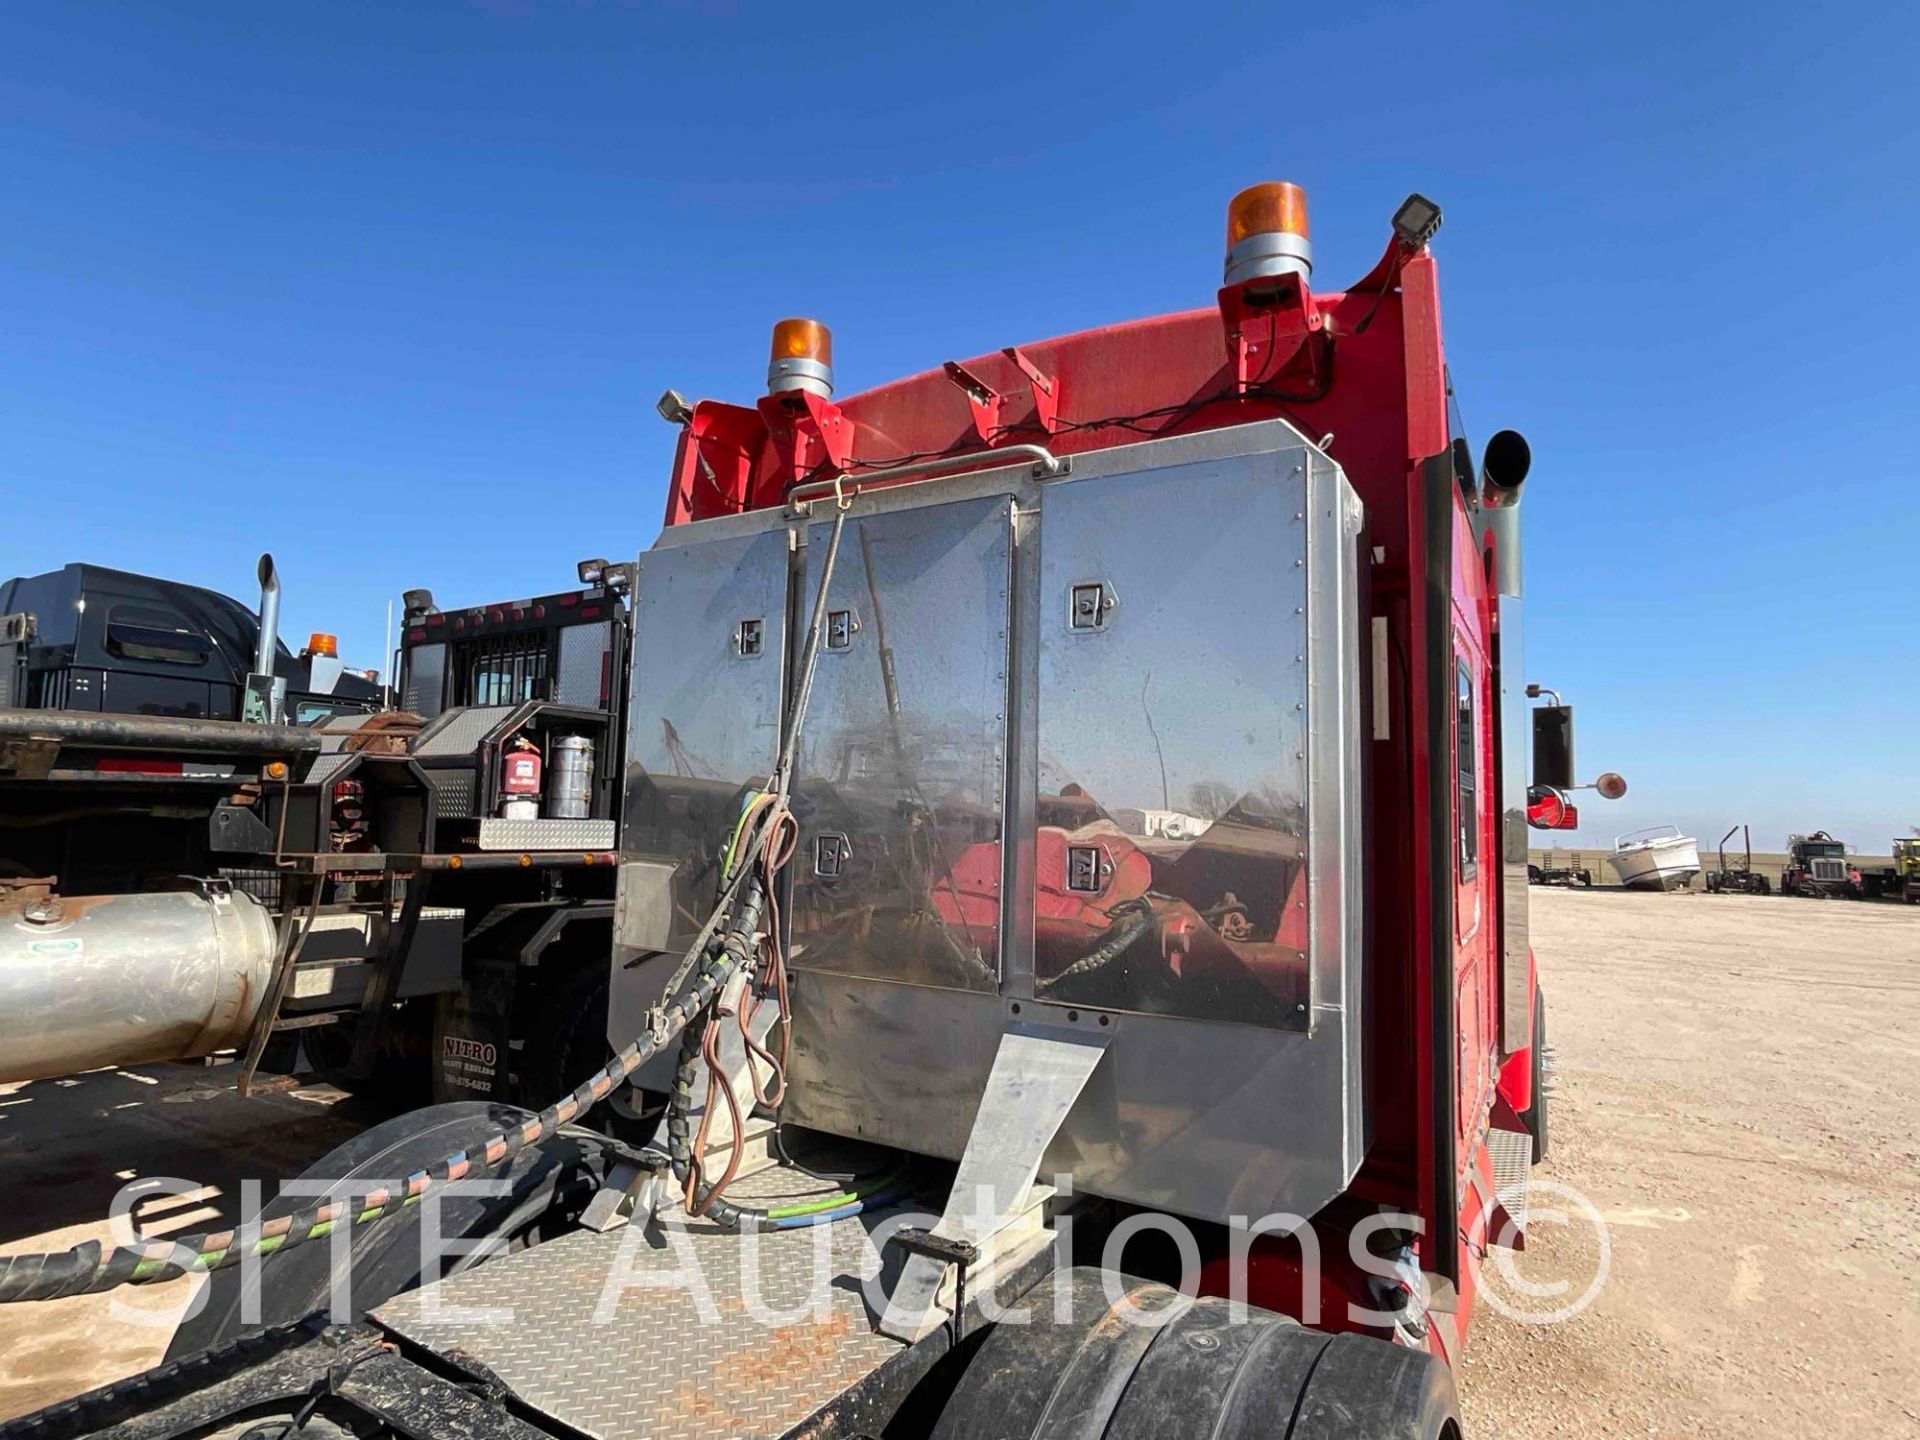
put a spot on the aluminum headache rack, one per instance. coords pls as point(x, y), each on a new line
point(1083, 755)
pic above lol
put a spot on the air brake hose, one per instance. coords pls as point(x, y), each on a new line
point(741, 944)
point(735, 951)
point(866, 1194)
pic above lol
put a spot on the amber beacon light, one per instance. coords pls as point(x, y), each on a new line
point(801, 358)
point(1267, 233)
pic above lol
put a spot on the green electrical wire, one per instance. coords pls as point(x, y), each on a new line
point(747, 809)
point(834, 1202)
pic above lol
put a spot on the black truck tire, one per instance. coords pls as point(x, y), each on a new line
point(567, 1039)
point(1535, 1115)
point(1182, 1367)
point(1366, 1389)
point(386, 1253)
point(400, 1077)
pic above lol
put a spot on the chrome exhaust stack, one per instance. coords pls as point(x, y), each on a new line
point(1503, 472)
point(1504, 466)
point(266, 697)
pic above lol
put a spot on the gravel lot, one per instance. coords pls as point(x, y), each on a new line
point(1737, 1090)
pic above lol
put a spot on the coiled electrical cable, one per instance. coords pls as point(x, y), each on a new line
point(771, 824)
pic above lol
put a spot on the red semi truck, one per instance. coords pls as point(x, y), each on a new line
point(1089, 780)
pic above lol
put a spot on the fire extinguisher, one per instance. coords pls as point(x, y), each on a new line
point(520, 781)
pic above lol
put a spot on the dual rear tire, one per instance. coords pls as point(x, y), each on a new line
point(1159, 1364)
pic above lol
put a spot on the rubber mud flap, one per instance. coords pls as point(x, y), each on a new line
point(567, 1039)
point(385, 1253)
point(1536, 1116)
point(1367, 1389)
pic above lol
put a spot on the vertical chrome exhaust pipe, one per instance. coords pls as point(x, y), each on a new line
point(1503, 474)
point(266, 696)
point(269, 642)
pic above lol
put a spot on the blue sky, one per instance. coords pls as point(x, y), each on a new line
point(390, 290)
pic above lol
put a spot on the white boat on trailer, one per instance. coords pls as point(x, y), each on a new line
point(1657, 858)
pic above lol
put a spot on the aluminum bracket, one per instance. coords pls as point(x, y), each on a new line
point(631, 1191)
point(1037, 1076)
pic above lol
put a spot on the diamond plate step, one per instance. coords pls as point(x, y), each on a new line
point(620, 1334)
point(1512, 1154)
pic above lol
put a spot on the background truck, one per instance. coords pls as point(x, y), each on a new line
point(401, 895)
point(1817, 866)
point(1741, 878)
point(1900, 880)
point(93, 640)
point(905, 665)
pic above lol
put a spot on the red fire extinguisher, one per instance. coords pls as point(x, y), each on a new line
point(520, 781)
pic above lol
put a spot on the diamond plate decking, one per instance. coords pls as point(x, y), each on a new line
point(614, 1334)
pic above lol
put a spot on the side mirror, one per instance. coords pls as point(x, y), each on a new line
point(1611, 785)
point(1553, 747)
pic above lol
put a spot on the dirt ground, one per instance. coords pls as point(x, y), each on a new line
point(67, 1147)
point(1737, 1091)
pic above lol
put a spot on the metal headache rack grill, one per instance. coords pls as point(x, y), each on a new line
point(500, 669)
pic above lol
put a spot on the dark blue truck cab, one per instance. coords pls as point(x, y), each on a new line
point(107, 641)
